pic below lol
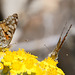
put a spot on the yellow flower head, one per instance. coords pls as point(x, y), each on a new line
point(17, 67)
point(1, 66)
point(21, 62)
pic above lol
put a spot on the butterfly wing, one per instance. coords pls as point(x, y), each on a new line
point(54, 53)
point(7, 29)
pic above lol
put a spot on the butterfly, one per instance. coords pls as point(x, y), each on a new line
point(7, 29)
point(54, 53)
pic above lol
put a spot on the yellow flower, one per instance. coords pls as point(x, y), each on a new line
point(59, 71)
point(50, 61)
point(20, 54)
point(7, 59)
point(1, 66)
point(39, 70)
point(19, 62)
point(17, 67)
point(1, 55)
point(50, 67)
point(3, 49)
point(30, 63)
point(53, 70)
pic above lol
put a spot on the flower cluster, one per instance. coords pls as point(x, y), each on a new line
point(23, 63)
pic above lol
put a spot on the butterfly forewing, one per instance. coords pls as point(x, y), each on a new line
point(7, 29)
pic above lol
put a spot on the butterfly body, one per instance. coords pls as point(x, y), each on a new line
point(7, 29)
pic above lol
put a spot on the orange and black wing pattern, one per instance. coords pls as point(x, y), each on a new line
point(7, 29)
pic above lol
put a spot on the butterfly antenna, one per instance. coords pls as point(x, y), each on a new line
point(54, 54)
point(46, 46)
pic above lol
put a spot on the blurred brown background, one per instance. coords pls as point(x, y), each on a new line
point(40, 25)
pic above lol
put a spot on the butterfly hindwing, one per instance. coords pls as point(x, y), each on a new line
point(7, 29)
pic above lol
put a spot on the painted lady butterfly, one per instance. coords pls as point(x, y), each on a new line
point(54, 53)
point(7, 29)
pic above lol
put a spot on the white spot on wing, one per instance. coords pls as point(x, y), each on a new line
point(15, 26)
point(9, 34)
point(3, 38)
point(2, 33)
point(7, 22)
point(4, 20)
point(12, 17)
point(16, 20)
point(0, 28)
point(13, 21)
point(11, 26)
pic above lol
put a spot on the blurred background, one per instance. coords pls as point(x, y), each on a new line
point(40, 25)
